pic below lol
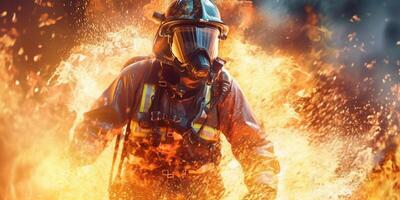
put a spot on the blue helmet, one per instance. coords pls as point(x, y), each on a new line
point(196, 12)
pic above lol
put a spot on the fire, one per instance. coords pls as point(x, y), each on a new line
point(304, 106)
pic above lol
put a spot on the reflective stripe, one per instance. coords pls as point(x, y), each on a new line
point(165, 132)
point(137, 131)
point(208, 132)
point(208, 95)
point(148, 92)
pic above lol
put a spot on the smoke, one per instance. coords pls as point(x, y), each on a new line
point(360, 42)
point(349, 50)
point(364, 32)
point(360, 39)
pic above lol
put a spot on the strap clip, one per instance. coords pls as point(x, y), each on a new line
point(167, 173)
point(157, 116)
point(176, 119)
point(162, 83)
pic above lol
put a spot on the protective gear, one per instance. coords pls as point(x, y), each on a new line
point(192, 12)
point(187, 40)
point(188, 188)
point(177, 152)
point(202, 13)
point(171, 142)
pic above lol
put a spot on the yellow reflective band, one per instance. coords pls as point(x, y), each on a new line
point(208, 132)
point(133, 125)
point(208, 95)
point(196, 127)
point(148, 92)
point(137, 131)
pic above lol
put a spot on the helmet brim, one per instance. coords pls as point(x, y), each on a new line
point(166, 27)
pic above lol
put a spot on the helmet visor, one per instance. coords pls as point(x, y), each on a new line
point(188, 39)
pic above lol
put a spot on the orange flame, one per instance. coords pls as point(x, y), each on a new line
point(285, 92)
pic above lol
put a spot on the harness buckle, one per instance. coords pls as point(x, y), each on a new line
point(176, 119)
point(167, 173)
point(156, 116)
point(170, 133)
point(162, 83)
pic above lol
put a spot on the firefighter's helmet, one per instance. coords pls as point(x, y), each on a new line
point(189, 13)
point(197, 12)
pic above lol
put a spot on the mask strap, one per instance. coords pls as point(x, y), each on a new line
point(216, 68)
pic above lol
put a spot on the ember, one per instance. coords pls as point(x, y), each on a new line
point(336, 131)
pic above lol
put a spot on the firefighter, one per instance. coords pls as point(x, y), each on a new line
point(175, 106)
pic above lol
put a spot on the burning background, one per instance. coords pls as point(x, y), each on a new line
point(323, 78)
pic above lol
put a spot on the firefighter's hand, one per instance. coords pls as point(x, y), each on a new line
point(261, 193)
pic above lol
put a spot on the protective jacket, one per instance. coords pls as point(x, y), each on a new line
point(177, 140)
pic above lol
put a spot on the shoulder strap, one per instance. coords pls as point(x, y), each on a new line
point(155, 106)
point(222, 86)
point(134, 60)
point(126, 135)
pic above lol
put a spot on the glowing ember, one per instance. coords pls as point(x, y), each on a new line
point(328, 141)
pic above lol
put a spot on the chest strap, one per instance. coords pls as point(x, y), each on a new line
point(146, 119)
point(150, 116)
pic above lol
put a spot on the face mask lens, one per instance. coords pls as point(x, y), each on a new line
point(187, 39)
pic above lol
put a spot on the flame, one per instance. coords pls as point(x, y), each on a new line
point(324, 151)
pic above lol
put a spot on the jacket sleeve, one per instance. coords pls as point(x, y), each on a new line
point(249, 145)
point(109, 113)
